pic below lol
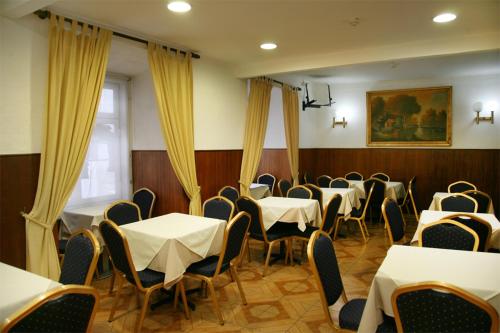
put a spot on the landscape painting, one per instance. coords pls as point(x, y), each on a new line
point(409, 117)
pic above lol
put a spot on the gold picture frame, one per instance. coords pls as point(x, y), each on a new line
point(409, 117)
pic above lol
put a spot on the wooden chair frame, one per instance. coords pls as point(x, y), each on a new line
point(300, 186)
point(338, 178)
point(383, 174)
point(218, 197)
point(152, 202)
point(410, 198)
point(478, 220)
point(232, 267)
point(274, 182)
point(447, 288)
point(458, 195)
point(386, 219)
point(93, 264)
point(354, 173)
point(461, 182)
point(455, 223)
point(50, 295)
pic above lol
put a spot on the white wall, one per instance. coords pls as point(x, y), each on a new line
point(275, 132)
point(23, 78)
point(316, 125)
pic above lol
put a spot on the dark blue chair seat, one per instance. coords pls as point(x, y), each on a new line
point(355, 212)
point(277, 231)
point(306, 233)
point(350, 314)
point(207, 266)
point(149, 277)
point(62, 246)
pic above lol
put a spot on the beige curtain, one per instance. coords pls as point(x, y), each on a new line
point(77, 68)
point(173, 80)
point(255, 131)
point(291, 120)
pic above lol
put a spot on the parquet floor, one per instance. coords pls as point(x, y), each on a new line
point(286, 300)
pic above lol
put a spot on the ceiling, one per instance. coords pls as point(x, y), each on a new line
point(309, 33)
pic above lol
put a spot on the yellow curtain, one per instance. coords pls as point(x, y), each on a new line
point(173, 80)
point(255, 131)
point(77, 68)
point(291, 120)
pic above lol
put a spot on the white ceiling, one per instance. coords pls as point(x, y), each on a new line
point(309, 33)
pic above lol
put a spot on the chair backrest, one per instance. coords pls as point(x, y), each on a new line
point(250, 206)
point(394, 220)
point(325, 268)
point(119, 251)
point(483, 200)
point(68, 308)
point(218, 208)
point(480, 226)
point(367, 201)
point(317, 194)
point(330, 213)
point(440, 307)
point(458, 202)
point(123, 212)
point(339, 182)
point(461, 186)
point(283, 186)
point(80, 259)
point(300, 192)
point(378, 193)
point(145, 199)
point(324, 181)
point(268, 179)
point(234, 236)
point(448, 234)
point(307, 178)
point(381, 176)
point(229, 193)
point(412, 193)
point(353, 175)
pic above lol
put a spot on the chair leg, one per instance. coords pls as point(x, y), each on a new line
point(112, 282)
point(366, 228)
point(214, 300)
point(176, 296)
point(144, 309)
point(234, 273)
point(361, 229)
point(117, 298)
point(290, 249)
point(180, 286)
point(338, 223)
point(266, 264)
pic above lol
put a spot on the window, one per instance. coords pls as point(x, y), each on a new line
point(105, 172)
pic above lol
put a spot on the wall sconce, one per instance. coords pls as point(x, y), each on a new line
point(343, 122)
point(477, 109)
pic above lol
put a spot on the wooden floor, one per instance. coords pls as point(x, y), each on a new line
point(286, 300)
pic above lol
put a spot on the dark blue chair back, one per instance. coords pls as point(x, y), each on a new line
point(331, 211)
point(482, 228)
point(324, 181)
point(353, 175)
point(123, 212)
point(483, 200)
point(394, 219)
point(229, 193)
point(449, 235)
point(339, 183)
point(284, 185)
point(268, 180)
point(251, 207)
point(458, 203)
point(145, 199)
point(380, 175)
point(299, 192)
point(218, 208)
point(460, 187)
point(317, 195)
point(378, 193)
point(80, 259)
point(236, 231)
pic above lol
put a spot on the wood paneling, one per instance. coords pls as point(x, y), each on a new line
point(18, 182)
point(275, 162)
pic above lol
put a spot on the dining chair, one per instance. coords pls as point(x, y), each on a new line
point(324, 181)
point(299, 192)
point(480, 226)
point(448, 234)
point(317, 195)
point(68, 308)
point(229, 193)
point(357, 215)
point(283, 186)
point(145, 281)
point(441, 307)
point(394, 221)
point(377, 197)
point(339, 182)
point(409, 198)
point(267, 179)
point(483, 200)
point(308, 179)
point(353, 175)
point(461, 186)
point(458, 202)
point(209, 268)
point(280, 231)
point(218, 208)
point(325, 268)
point(381, 176)
point(123, 212)
point(80, 259)
point(145, 199)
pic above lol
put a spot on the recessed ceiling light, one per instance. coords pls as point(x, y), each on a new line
point(445, 17)
point(179, 6)
point(268, 46)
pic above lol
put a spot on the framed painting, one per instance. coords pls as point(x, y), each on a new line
point(409, 117)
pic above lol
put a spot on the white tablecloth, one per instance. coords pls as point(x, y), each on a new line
point(259, 191)
point(476, 272)
point(429, 216)
point(19, 287)
point(393, 190)
point(170, 243)
point(350, 199)
point(291, 210)
point(438, 196)
point(83, 218)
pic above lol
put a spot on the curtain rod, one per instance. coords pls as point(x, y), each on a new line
point(282, 84)
point(44, 14)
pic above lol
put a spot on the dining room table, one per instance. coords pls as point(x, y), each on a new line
point(259, 191)
point(290, 210)
point(350, 199)
point(19, 287)
point(393, 190)
point(429, 216)
point(438, 196)
point(476, 272)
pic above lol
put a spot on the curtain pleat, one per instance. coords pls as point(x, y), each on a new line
point(173, 81)
point(77, 67)
point(255, 131)
point(291, 122)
